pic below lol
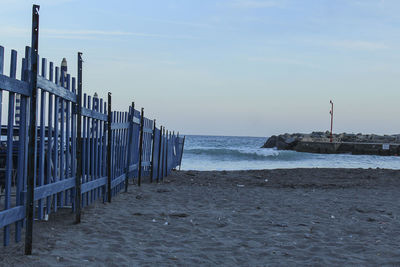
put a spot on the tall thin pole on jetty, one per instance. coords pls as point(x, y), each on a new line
point(331, 112)
point(141, 147)
point(109, 118)
point(78, 178)
point(32, 131)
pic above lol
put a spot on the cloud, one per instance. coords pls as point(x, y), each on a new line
point(182, 23)
point(14, 31)
point(256, 3)
point(86, 34)
point(283, 61)
point(358, 45)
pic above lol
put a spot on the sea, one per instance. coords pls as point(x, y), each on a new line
point(202, 152)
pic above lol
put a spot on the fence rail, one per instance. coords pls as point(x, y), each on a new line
point(63, 148)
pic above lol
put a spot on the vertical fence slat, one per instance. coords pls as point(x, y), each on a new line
point(55, 140)
point(50, 139)
point(73, 143)
point(9, 153)
point(130, 133)
point(62, 140)
point(68, 196)
point(101, 148)
point(141, 146)
point(95, 143)
point(41, 140)
point(84, 153)
point(21, 154)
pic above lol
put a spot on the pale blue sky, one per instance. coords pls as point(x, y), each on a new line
point(239, 67)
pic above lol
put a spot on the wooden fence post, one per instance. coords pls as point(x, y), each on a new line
point(130, 134)
point(32, 131)
point(141, 147)
point(109, 143)
point(152, 151)
point(78, 178)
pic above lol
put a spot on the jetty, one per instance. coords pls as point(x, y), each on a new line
point(344, 143)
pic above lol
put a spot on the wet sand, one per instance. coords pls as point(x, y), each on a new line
point(235, 218)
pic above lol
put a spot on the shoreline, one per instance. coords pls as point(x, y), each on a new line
point(247, 218)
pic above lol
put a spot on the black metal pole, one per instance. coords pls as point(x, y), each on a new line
point(152, 151)
point(166, 155)
point(78, 178)
point(109, 143)
point(32, 131)
point(141, 147)
point(159, 154)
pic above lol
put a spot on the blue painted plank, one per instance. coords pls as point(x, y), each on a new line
point(102, 181)
point(148, 130)
point(55, 89)
point(94, 114)
point(13, 85)
point(9, 216)
point(118, 180)
point(54, 188)
point(120, 125)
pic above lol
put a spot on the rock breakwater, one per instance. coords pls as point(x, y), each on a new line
point(319, 142)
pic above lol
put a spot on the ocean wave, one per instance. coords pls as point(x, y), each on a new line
point(243, 154)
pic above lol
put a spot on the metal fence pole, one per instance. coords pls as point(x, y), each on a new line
point(78, 178)
point(152, 151)
point(32, 131)
point(109, 143)
point(141, 147)
point(166, 154)
point(159, 154)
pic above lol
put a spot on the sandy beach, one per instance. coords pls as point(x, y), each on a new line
point(281, 217)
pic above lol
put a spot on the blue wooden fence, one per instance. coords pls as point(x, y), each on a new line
point(62, 148)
